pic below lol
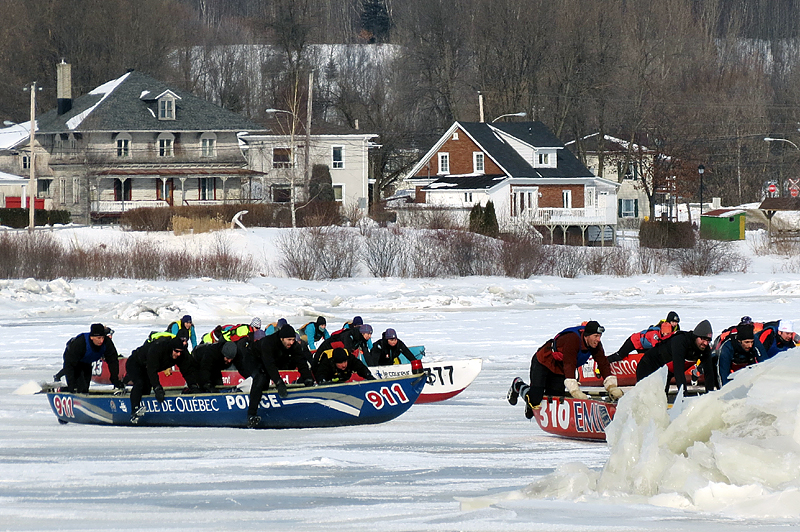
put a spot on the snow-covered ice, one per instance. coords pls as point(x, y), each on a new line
point(727, 461)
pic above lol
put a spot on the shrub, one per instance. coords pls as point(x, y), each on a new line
point(182, 225)
point(523, 255)
point(384, 252)
point(19, 218)
point(710, 257)
point(659, 234)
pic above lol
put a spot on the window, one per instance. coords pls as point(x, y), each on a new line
point(566, 198)
point(468, 197)
point(43, 188)
point(123, 190)
point(76, 190)
point(628, 208)
point(630, 171)
point(477, 162)
point(338, 192)
point(165, 147)
point(207, 190)
point(281, 194)
point(281, 158)
point(544, 159)
point(590, 193)
point(63, 190)
point(525, 199)
point(208, 147)
point(338, 157)
point(26, 162)
point(444, 163)
point(166, 109)
point(123, 147)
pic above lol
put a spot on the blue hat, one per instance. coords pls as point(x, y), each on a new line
point(186, 318)
point(390, 333)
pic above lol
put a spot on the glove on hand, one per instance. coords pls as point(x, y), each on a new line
point(281, 386)
point(160, 395)
point(574, 389)
point(308, 383)
point(610, 384)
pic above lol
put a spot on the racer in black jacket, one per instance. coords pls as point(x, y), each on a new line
point(356, 340)
point(85, 349)
point(274, 351)
point(679, 349)
point(145, 363)
point(210, 360)
point(388, 349)
point(338, 365)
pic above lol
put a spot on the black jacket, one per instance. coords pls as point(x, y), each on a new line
point(270, 355)
point(325, 369)
point(383, 354)
point(209, 364)
point(679, 348)
point(76, 353)
point(156, 356)
point(351, 339)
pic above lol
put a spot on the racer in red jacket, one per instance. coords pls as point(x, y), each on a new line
point(643, 340)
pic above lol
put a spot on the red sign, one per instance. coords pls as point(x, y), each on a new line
point(772, 188)
point(793, 192)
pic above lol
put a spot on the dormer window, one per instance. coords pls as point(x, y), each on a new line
point(166, 108)
point(545, 158)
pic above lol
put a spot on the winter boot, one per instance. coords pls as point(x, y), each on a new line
point(614, 357)
point(529, 408)
point(513, 392)
point(137, 414)
point(253, 422)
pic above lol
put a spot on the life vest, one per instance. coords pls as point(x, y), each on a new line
point(155, 335)
point(93, 353)
point(583, 354)
point(760, 331)
point(644, 340)
point(230, 333)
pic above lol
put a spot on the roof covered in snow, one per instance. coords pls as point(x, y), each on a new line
point(122, 105)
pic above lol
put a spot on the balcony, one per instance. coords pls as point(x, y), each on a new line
point(560, 216)
point(118, 207)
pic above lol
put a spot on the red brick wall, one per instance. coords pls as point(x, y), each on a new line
point(460, 158)
point(551, 196)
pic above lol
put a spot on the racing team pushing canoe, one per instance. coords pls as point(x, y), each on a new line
point(256, 353)
point(554, 365)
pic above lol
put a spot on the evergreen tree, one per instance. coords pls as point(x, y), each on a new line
point(489, 226)
point(320, 185)
point(375, 20)
point(476, 218)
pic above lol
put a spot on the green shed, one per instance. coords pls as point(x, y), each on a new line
point(723, 224)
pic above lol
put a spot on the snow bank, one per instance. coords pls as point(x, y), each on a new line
point(736, 451)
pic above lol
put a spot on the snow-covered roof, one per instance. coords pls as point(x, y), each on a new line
point(14, 135)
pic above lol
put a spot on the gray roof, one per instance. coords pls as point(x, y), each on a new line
point(128, 104)
point(534, 133)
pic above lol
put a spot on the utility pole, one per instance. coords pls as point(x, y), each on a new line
point(32, 160)
point(308, 129)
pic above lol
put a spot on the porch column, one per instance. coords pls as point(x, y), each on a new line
point(164, 196)
point(183, 190)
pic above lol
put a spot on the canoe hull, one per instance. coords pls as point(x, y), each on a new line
point(444, 379)
point(353, 403)
point(581, 419)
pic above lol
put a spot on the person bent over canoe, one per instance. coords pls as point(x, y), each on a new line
point(338, 365)
point(740, 349)
point(145, 363)
point(679, 352)
point(387, 350)
point(357, 341)
point(210, 360)
point(267, 353)
point(82, 351)
point(554, 366)
point(643, 340)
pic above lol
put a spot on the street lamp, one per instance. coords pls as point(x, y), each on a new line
point(700, 170)
point(520, 114)
point(771, 139)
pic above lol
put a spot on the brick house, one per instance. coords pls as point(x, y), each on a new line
point(529, 175)
point(136, 142)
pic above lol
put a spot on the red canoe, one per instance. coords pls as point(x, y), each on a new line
point(582, 419)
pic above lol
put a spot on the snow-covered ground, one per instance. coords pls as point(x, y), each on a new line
point(470, 463)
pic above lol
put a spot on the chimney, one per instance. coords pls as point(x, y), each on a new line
point(64, 87)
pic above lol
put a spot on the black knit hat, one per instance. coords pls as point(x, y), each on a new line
point(745, 332)
point(703, 330)
point(673, 316)
point(287, 331)
point(593, 328)
point(321, 320)
point(339, 355)
point(97, 330)
point(229, 350)
point(177, 343)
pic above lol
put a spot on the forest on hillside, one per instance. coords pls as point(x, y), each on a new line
point(699, 81)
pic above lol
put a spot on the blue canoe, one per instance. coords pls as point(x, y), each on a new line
point(350, 403)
